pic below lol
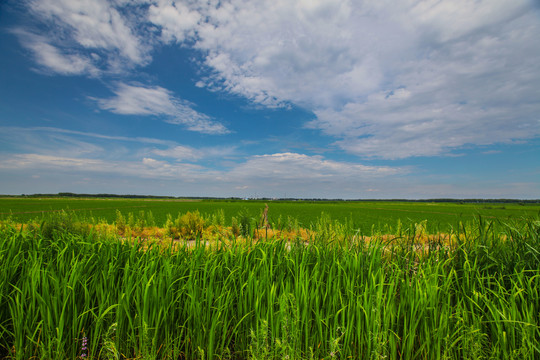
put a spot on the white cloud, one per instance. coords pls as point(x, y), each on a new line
point(282, 51)
point(139, 100)
point(188, 153)
point(269, 174)
point(479, 90)
point(144, 168)
point(84, 36)
point(39, 137)
point(450, 20)
point(179, 153)
point(301, 167)
point(176, 20)
point(36, 173)
point(387, 80)
point(56, 142)
point(52, 59)
point(158, 101)
point(94, 24)
point(300, 175)
point(61, 160)
point(47, 141)
point(39, 161)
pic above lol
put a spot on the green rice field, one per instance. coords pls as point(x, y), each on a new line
point(364, 215)
point(367, 281)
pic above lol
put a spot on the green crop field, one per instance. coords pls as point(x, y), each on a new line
point(363, 215)
point(116, 278)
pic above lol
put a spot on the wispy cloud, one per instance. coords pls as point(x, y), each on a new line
point(14, 132)
point(52, 59)
point(145, 167)
point(264, 173)
point(47, 141)
point(96, 33)
point(189, 153)
point(491, 152)
point(301, 167)
point(86, 162)
point(158, 101)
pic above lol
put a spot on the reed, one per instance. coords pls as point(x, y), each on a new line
point(470, 294)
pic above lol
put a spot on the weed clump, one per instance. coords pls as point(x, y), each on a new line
point(59, 223)
point(186, 226)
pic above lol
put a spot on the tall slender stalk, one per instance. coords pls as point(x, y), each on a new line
point(473, 294)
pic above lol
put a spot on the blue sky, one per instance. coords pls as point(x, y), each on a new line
point(309, 98)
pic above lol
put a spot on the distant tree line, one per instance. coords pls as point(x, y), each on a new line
point(437, 200)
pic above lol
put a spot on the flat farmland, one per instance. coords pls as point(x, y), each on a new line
point(364, 215)
point(99, 282)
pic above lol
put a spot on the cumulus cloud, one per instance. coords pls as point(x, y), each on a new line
point(158, 101)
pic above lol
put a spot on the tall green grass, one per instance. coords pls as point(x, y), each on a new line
point(342, 296)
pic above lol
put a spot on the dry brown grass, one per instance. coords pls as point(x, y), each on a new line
point(213, 234)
